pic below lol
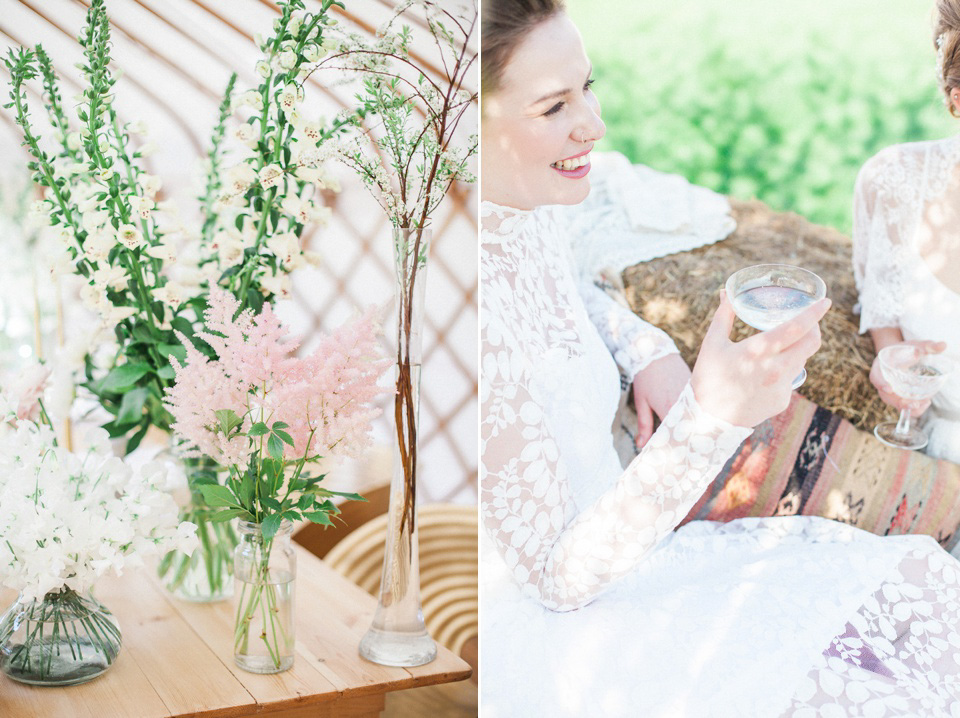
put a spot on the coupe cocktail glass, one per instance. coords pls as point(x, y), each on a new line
point(767, 295)
point(914, 375)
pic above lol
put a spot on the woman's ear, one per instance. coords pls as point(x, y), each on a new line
point(955, 101)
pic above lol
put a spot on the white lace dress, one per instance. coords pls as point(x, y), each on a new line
point(593, 606)
point(906, 221)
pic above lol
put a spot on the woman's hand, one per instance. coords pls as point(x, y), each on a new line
point(886, 391)
point(747, 382)
point(656, 389)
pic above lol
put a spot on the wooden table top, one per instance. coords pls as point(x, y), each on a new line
point(177, 659)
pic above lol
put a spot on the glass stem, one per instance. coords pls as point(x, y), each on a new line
point(903, 423)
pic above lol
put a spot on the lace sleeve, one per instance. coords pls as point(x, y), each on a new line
point(633, 342)
point(559, 556)
point(886, 201)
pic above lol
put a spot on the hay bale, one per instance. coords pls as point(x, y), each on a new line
point(679, 294)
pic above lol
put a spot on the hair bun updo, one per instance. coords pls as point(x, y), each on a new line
point(946, 38)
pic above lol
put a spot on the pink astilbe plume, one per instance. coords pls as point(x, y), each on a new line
point(328, 392)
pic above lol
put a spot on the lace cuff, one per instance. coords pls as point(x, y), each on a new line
point(633, 342)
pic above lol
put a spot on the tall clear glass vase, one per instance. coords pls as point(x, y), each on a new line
point(398, 635)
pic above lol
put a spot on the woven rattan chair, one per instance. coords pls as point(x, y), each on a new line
point(448, 568)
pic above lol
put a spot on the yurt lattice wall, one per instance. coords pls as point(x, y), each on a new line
point(176, 57)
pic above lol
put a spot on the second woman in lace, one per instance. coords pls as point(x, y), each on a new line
point(907, 248)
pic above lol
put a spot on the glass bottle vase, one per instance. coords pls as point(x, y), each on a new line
point(398, 635)
point(264, 574)
point(63, 639)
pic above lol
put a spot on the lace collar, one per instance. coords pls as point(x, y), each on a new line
point(499, 223)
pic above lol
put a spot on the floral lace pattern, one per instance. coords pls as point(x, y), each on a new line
point(757, 617)
point(898, 655)
point(889, 198)
point(532, 317)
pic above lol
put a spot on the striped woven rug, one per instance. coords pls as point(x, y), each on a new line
point(810, 461)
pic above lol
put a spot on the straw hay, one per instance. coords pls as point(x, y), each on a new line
point(679, 294)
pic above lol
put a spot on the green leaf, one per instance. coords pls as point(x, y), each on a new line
point(270, 526)
point(246, 490)
point(280, 425)
point(284, 437)
point(318, 517)
point(131, 408)
point(275, 447)
point(271, 503)
point(216, 495)
point(134, 441)
point(166, 372)
point(175, 350)
point(227, 514)
point(123, 377)
point(228, 420)
point(258, 429)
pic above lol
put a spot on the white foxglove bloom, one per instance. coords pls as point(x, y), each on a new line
point(95, 220)
point(311, 52)
point(276, 284)
point(114, 315)
point(288, 97)
point(129, 236)
point(165, 251)
point(74, 141)
point(287, 248)
point(245, 132)
point(151, 185)
point(97, 246)
point(287, 59)
point(137, 128)
point(141, 206)
point(314, 259)
point(270, 176)
point(105, 174)
point(251, 98)
point(147, 150)
point(229, 249)
point(240, 177)
point(110, 278)
point(263, 69)
point(171, 294)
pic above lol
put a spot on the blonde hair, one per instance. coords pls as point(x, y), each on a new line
point(946, 36)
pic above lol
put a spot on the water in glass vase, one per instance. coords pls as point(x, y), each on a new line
point(264, 640)
point(766, 307)
point(265, 573)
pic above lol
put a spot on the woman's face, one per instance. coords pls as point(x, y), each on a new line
point(538, 128)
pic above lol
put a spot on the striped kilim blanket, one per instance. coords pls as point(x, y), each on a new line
point(810, 461)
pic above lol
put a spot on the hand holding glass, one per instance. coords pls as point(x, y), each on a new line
point(767, 295)
point(915, 375)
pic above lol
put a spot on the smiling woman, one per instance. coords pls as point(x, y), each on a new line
point(593, 602)
point(541, 118)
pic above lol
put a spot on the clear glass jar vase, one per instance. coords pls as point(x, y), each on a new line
point(264, 575)
point(63, 639)
point(206, 575)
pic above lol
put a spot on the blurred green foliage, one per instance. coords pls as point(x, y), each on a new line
point(754, 99)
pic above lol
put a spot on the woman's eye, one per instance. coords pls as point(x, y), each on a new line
point(588, 83)
point(553, 110)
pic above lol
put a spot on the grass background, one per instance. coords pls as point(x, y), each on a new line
point(779, 101)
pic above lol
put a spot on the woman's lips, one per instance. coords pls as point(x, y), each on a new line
point(574, 167)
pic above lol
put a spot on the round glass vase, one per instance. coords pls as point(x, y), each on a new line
point(63, 639)
point(264, 574)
